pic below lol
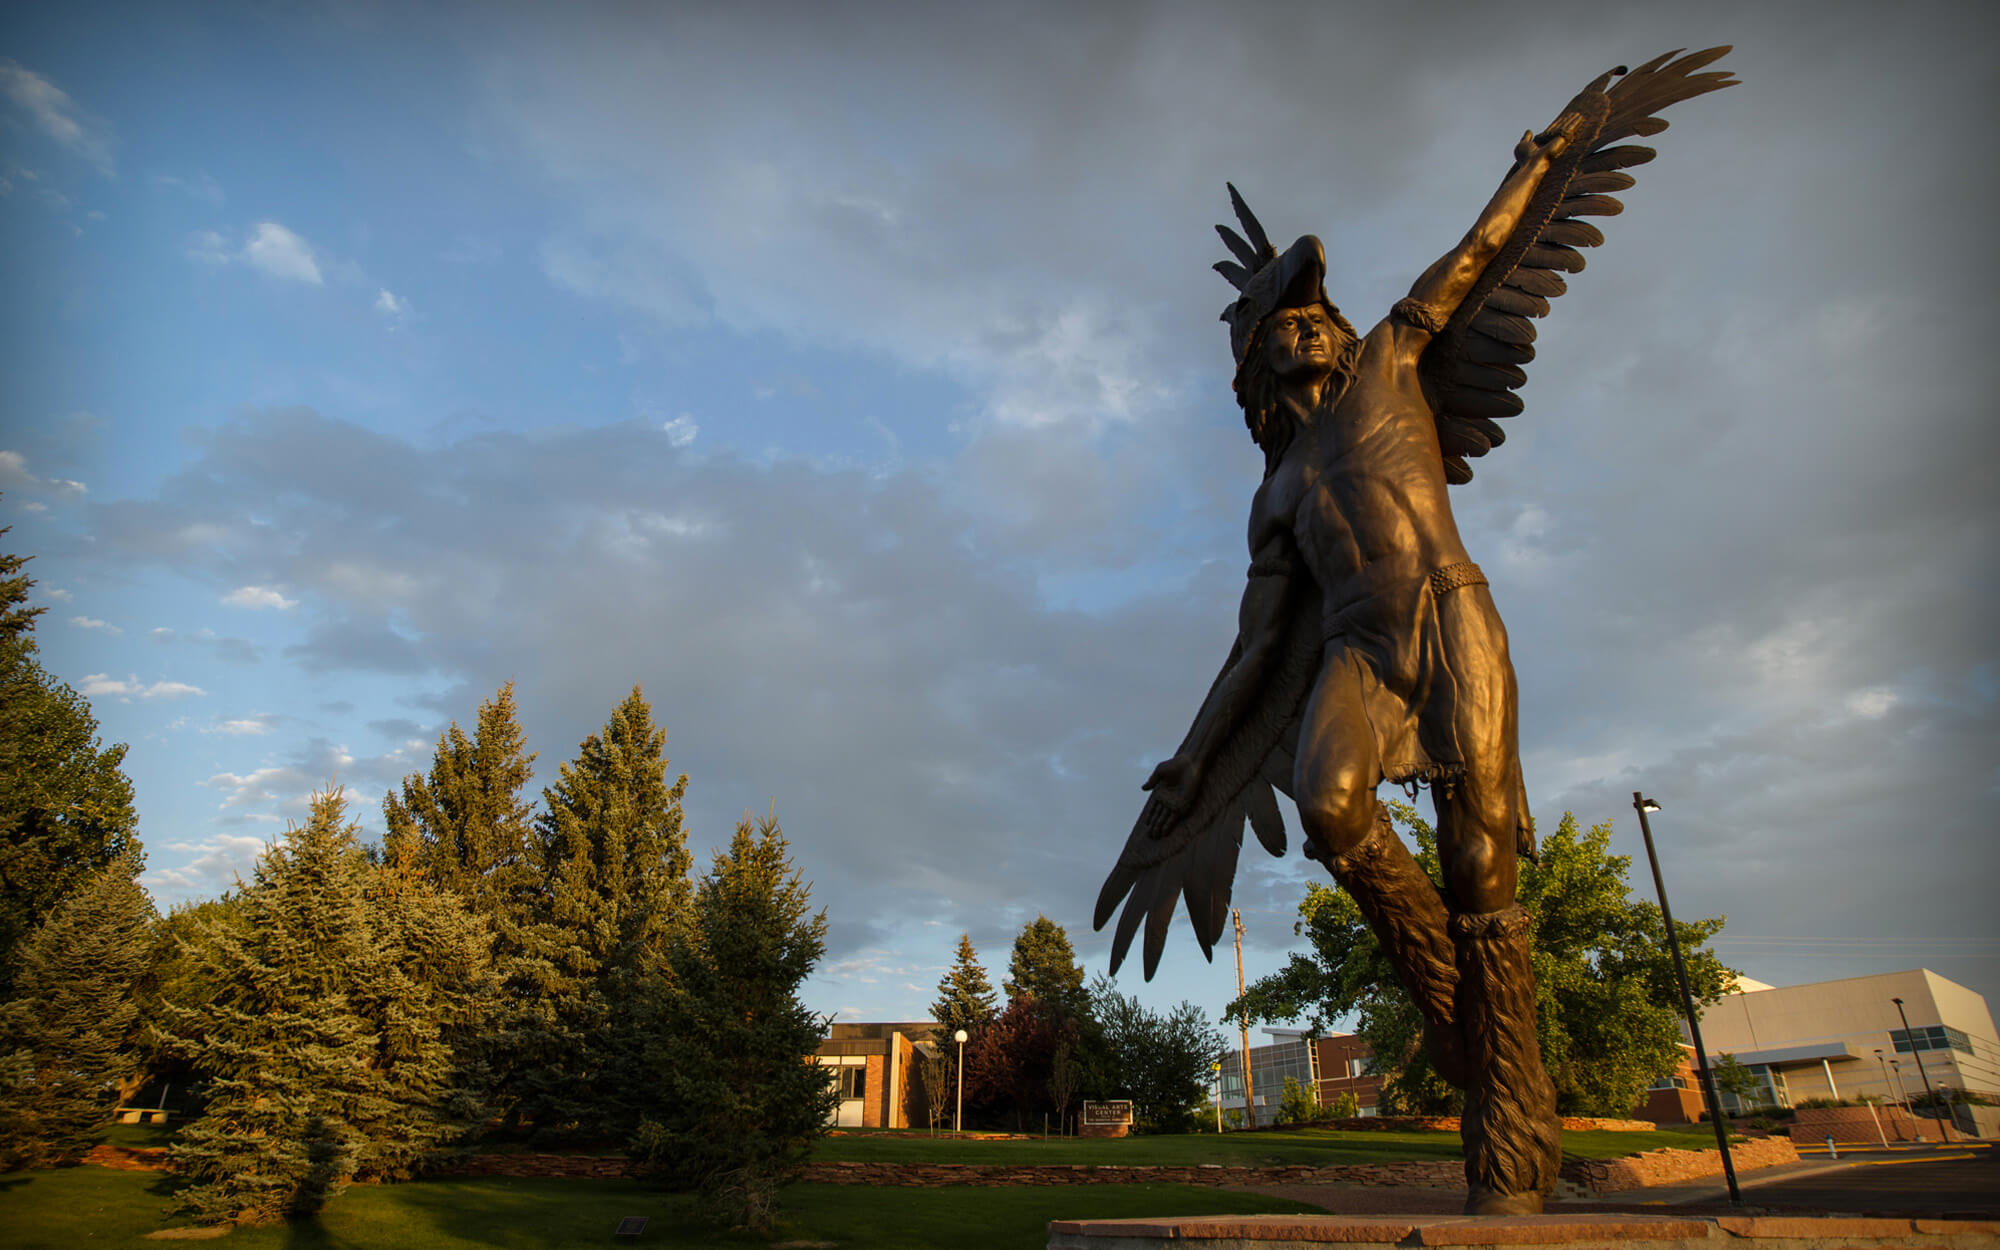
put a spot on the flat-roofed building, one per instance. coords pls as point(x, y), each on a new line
point(1846, 1039)
point(876, 1071)
point(1339, 1063)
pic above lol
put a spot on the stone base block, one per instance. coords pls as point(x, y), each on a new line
point(1639, 1232)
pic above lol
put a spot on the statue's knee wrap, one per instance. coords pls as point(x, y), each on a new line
point(1408, 916)
point(1513, 1142)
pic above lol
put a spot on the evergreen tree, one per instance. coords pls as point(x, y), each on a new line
point(65, 806)
point(466, 820)
point(465, 829)
point(323, 1040)
point(429, 1004)
point(66, 1037)
point(1044, 968)
point(613, 856)
point(737, 1105)
point(965, 996)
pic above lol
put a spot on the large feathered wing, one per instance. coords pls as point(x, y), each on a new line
point(1192, 856)
point(1473, 367)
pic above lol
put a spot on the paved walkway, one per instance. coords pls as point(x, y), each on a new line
point(1945, 1182)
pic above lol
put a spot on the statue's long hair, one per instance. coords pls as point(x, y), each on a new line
point(1272, 426)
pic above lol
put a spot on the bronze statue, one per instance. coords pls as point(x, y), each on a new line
point(1368, 647)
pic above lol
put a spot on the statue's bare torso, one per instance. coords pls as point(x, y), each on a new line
point(1360, 492)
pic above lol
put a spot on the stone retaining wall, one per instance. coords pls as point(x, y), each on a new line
point(1449, 1124)
point(1424, 1174)
point(1670, 1167)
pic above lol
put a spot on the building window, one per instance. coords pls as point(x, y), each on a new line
point(1932, 1037)
point(854, 1082)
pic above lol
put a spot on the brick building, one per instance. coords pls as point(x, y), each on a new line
point(1330, 1066)
point(877, 1070)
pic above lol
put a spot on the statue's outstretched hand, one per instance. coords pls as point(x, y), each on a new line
point(1173, 784)
point(1549, 144)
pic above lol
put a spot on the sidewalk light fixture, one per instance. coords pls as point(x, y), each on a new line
point(958, 1112)
point(1643, 805)
point(1944, 1133)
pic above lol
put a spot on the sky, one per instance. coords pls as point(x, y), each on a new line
point(850, 378)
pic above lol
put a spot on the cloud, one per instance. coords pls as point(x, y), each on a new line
point(56, 115)
point(91, 622)
point(56, 593)
point(209, 247)
point(392, 306)
point(281, 254)
point(259, 724)
point(681, 431)
point(99, 684)
point(16, 479)
point(259, 597)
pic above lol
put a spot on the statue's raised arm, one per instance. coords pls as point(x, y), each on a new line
point(1474, 365)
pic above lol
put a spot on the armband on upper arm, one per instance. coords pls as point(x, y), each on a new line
point(1275, 560)
point(1413, 311)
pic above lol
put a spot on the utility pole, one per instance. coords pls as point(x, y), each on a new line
point(1249, 1094)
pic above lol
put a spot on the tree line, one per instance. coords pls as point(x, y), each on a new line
point(1058, 1041)
point(558, 975)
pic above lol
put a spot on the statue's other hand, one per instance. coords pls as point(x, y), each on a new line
point(1172, 784)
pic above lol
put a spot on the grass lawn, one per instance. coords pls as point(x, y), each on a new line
point(1269, 1148)
point(58, 1209)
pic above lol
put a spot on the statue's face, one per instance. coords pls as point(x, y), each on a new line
point(1302, 342)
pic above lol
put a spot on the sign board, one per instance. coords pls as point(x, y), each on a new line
point(1107, 1119)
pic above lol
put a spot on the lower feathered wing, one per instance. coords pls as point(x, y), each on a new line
point(1192, 856)
point(1473, 367)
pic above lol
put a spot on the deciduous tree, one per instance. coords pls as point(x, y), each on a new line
point(1160, 1060)
point(1607, 1012)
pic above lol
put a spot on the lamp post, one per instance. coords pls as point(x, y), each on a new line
point(958, 1112)
point(1216, 1068)
point(1896, 1069)
point(1944, 1134)
point(1641, 804)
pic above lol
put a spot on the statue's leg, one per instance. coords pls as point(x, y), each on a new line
point(1348, 830)
point(1406, 912)
point(1513, 1137)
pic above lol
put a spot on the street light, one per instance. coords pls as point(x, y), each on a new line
point(1944, 1134)
point(1896, 1069)
point(958, 1112)
point(1216, 1068)
point(1641, 804)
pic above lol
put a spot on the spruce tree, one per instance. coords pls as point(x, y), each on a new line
point(736, 1105)
point(965, 996)
point(465, 829)
point(67, 1036)
point(65, 806)
point(333, 989)
point(614, 860)
point(467, 821)
point(1044, 968)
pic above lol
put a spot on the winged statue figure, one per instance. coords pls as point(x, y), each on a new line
point(1368, 646)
